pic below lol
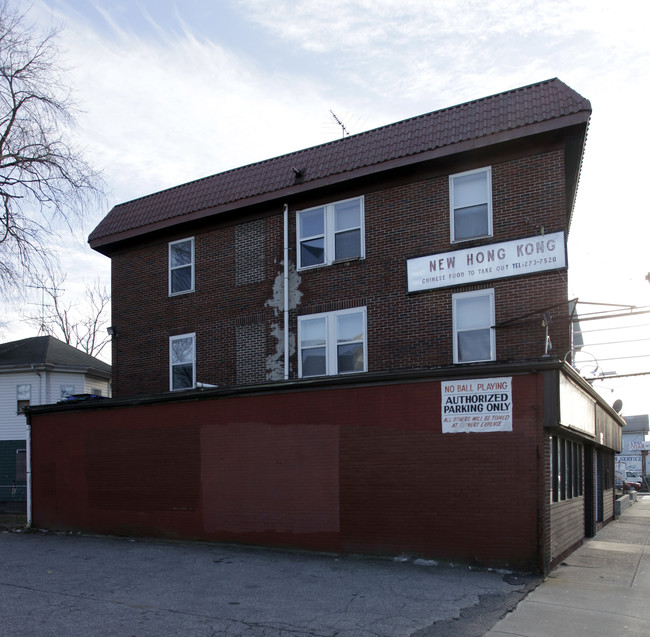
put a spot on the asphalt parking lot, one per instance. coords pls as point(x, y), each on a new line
point(60, 584)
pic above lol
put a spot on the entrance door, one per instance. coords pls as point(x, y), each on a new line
point(590, 491)
point(600, 483)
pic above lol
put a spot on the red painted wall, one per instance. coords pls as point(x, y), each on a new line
point(359, 469)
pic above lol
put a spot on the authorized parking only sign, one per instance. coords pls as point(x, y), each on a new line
point(476, 405)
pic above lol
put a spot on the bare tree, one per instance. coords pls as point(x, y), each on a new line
point(44, 179)
point(81, 324)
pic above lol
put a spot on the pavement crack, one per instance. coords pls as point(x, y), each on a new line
point(280, 627)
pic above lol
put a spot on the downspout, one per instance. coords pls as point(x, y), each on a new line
point(286, 291)
point(28, 470)
point(28, 449)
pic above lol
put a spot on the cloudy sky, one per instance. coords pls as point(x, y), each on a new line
point(171, 91)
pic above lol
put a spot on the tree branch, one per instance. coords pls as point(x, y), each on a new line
point(44, 178)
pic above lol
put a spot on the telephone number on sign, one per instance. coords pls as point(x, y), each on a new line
point(535, 262)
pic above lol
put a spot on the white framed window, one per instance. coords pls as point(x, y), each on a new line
point(66, 390)
point(23, 397)
point(181, 266)
point(473, 318)
point(182, 361)
point(332, 343)
point(470, 201)
point(330, 233)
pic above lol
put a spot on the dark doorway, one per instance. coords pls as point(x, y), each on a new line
point(590, 492)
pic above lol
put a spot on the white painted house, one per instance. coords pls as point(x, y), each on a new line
point(38, 371)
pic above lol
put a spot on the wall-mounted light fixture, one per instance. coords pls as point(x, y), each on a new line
point(112, 332)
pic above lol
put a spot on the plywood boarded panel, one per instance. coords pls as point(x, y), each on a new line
point(143, 468)
point(259, 478)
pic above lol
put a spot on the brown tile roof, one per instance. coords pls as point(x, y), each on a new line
point(540, 107)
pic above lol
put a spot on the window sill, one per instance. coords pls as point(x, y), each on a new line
point(470, 239)
point(339, 375)
point(326, 265)
point(347, 260)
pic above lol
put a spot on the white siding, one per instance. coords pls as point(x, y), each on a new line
point(45, 389)
point(12, 424)
point(93, 383)
point(57, 380)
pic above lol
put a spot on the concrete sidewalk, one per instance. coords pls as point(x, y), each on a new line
point(602, 589)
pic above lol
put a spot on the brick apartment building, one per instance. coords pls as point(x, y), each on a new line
point(310, 350)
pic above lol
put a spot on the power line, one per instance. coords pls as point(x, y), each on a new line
point(616, 358)
point(597, 316)
point(634, 340)
point(617, 327)
point(616, 376)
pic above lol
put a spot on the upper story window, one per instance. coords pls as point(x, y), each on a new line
point(66, 390)
point(332, 343)
point(23, 397)
point(330, 233)
point(470, 197)
point(182, 361)
point(181, 266)
point(473, 317)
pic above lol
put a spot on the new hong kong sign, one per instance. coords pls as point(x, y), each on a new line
point(485, 263)
point(476, 405)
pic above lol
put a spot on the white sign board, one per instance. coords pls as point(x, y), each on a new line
point(632, 463)
point(640, 445)
point(484, 263)
point(476, 405)
point(577, 409)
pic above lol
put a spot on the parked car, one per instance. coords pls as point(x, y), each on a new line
point(626, 480)
point(633, 479)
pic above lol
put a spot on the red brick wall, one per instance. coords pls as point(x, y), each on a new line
point(361, 469)
point(404, 331)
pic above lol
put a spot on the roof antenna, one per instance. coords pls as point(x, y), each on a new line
point(344, 130)
point(42, 328)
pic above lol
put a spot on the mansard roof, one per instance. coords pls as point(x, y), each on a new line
point(537, 108)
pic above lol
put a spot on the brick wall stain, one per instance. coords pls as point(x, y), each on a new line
point(239, 274)
point(275, 358)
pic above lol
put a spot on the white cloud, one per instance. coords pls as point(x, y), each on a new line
point(164, 110)
point(159, 112)
point(446, 52)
